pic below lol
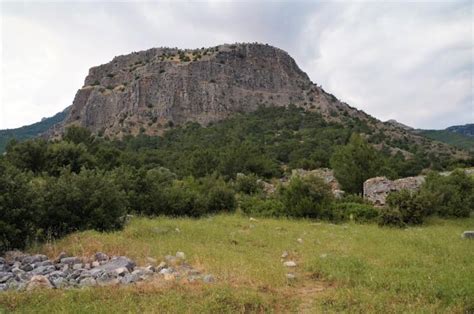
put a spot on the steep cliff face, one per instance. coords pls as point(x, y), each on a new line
point(149, 90)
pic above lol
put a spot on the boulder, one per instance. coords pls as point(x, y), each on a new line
point(468, 234)
point(117, 263)
point(377, 189)
point(39, 281)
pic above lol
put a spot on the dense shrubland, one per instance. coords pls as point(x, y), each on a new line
point(49, 189)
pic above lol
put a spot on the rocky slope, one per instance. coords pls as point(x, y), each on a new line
point(149, 91)
point(152, 89)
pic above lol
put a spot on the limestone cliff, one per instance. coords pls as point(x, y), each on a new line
point(149, 90)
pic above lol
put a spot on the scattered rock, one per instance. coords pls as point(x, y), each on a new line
point(88, 282)
point(290, 264)
point(290, 276)
point(27, 272)
point(71, 260)
point(468, 234)
point(324, 255)
point(169, 277)
point(101, 257)
point(208, 279)
point(284, 254)
point(299, 240)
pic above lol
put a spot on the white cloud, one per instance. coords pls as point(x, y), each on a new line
point(408, 61)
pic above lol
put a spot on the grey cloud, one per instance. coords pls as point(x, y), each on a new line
point(408, 61)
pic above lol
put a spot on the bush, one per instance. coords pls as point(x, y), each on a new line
point(391, 217)
point(306, 197)
point(451, 196)
point(220, 198)
point(411, 206)
point(255, 206)
point(88, 200)
point(18, 209)
point(248, 184)
point(353, 211)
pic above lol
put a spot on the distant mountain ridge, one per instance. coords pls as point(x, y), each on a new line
point(32, 130)
point(461, 136)
point(466, 129)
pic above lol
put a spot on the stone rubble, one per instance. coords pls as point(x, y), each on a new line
point(19, 271)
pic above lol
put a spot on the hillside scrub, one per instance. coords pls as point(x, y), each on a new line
point(88, 182)
point(446, 196)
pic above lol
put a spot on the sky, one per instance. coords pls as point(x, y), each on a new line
point(403, 60)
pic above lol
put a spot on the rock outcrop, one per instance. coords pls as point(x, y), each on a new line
point(377, 189)
point(147, 91)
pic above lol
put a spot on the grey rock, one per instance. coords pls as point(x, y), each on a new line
point(39, 281)
point(116, 263)
point(181, 255)
point(122, 271)
point(377, 189)
point(43, 270)
point(3, 287)
point(105, 279)
point(130, 278)
point(59, 282)
point(290, 264)
point(61, 256)
point(26, 267)
point(2, 261)
point(4, 277)
point(34, 259)
point(208, 279)
point(99, 256)
point(77, 266)
point(166, 271)
point(88, 282)
point(468, 234)
point(290, 276)
point(71, 260)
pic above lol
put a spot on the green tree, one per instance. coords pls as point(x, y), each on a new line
point(306, 197)
point(356, 162)
point(18, 208)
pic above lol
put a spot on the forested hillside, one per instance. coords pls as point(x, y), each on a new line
point(30, 131)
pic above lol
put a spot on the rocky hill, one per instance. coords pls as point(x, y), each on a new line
point(150, 90)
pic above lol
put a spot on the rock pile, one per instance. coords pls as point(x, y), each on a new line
point(20, 271)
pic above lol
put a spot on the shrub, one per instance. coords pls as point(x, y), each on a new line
point(18, 210)
point(248, 184)
point(353, 211)
point(391, 217)
point(253, 205)
point(410, 206)
point(451, 196)
point(220, 198)
point(88, 200)
point(306, 197)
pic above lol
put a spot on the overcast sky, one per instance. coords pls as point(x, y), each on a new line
point(408, 61)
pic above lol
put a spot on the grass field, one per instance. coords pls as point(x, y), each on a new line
point(341, 268)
